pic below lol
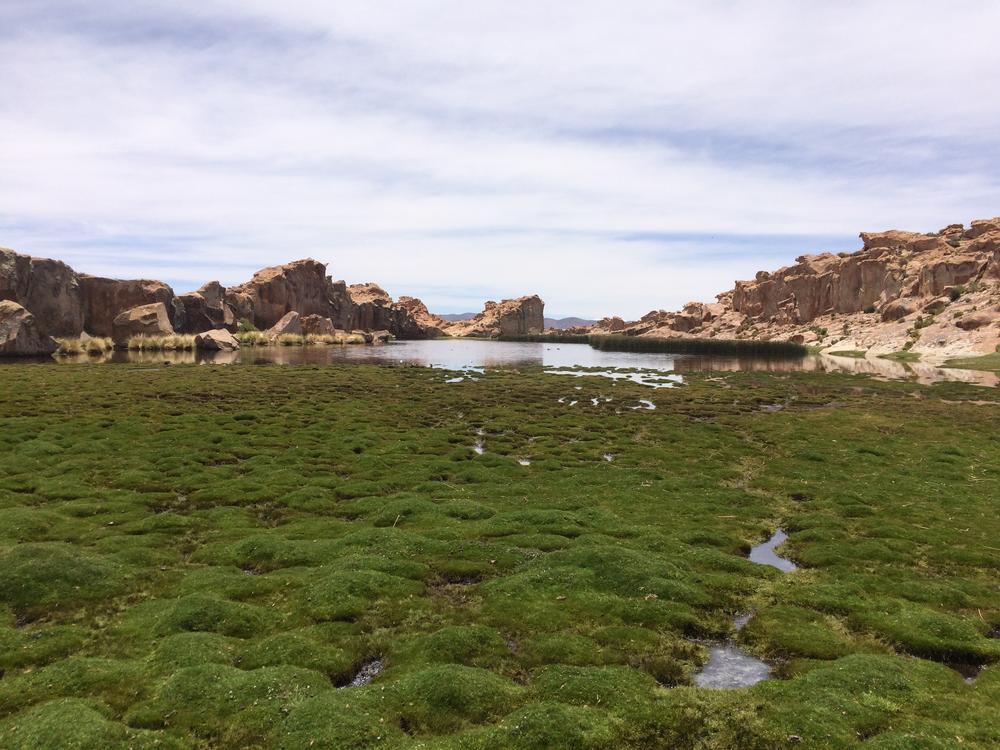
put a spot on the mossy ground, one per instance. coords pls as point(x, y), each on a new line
point(985, 362)
point(196, 557)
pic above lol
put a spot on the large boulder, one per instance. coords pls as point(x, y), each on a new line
point(20, 335)
point(105, 299)
point(317, 325)
point(203, 310)
point(49, 289)
point(144, 320)
point(975, 321)
point(289, 323)
point(216, 340)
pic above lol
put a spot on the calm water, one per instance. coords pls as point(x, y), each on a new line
point(465, 354)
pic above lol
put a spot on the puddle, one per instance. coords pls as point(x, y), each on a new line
point(609, 457)
point(479, 448)
point(651, 378)
point(731, 667)
point(771, 408)
point(764, 554)
point(524, 462)
point(366, 674)
point(644, 404)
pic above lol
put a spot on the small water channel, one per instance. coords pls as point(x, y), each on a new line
point(728, 665)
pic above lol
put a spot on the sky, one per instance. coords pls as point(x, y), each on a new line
point(613, 156)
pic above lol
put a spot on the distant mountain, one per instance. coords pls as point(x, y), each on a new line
point(457, 317)
point(561, 323)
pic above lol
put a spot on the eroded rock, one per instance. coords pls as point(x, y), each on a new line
point(20, 335)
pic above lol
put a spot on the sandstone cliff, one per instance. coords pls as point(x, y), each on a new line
point(935, 293)
point(65, 303)
point(511, 317)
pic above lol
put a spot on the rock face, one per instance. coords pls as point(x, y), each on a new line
point(216, 340)
point(20, 335)
point(432, 325)
point(144, 320)
point(49, 289)
point(511, 317)
point(300, 286)
point(65, 303)
point(203, 310)
point(934, 294)
point(104, 299)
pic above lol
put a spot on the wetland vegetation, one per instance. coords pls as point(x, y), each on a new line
point(316, 557)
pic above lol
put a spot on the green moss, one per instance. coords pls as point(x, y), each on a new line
point(201, 555)
point(985, 362)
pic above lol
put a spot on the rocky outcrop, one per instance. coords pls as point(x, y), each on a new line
point(65, 303)
point(431, 324)
point(511, 317)
point(144, 320)
point(374, 310)
point(49, 289)
point(300, 286)
point(216, 340)
point(203, 310)
point(20, 334)
point(934, 293)
point(104, 299)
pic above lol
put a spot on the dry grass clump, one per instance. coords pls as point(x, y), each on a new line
point(321, 339)
point(175, 342)
point(252, 338)
point(89, 345)
point(290, 339)
point(354, 338)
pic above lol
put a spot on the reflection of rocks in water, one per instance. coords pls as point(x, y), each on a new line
point(366, 674)
point(764, 553)
point(730, 667)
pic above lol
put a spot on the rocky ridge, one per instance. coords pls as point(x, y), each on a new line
point(936, 294)
point(64, 303)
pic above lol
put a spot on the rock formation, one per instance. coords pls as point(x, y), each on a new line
point(511, 317)
point(144, 320)
point(317, 325)
point(428, 321)
point(203, 310)
point(104, 299)
point(20, 334)
point(49, 289)
point(65, 303)
point(935, 293)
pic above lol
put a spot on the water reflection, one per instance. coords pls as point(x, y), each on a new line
point(475, 355)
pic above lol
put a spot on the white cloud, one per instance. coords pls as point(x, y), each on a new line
point(439, 147)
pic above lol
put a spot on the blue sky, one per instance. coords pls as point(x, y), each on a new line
point(614, 157)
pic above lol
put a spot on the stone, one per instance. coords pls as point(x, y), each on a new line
point(975, 321)
point(936, 305)
point(382, 337)
point(20, 335)
point(144, 320)
point(216, 340)
point(317, 325)
point(104, 299)
point(203, 310)
point(290, 323)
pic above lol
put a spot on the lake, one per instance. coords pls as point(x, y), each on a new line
point(479, 354)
